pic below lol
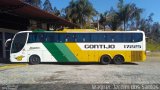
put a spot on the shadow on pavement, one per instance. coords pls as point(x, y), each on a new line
point(85, 63)
point(130, 63)
point(72, 63)
point(69, 63)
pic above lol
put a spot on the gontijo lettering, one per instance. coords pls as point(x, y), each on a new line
point(100, 46)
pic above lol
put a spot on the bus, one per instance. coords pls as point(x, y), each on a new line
point(104, 47)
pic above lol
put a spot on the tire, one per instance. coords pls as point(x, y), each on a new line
point(34, 59)
point(105, 59)
point(118, 59)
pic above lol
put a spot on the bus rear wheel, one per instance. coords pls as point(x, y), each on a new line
point(105, 59)
point(118, 59)
point(34, 59)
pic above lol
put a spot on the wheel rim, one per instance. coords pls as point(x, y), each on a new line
point(106, 59)
point(35, 60)
point(118, 60)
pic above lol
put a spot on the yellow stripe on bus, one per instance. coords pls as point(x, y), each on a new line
point(94, 55)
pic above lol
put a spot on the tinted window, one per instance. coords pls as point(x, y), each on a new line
point(127, 37)
point(19, 42)
point(110, 37)
point(37, 37)
point(71, 37)
point(114, 37)
point(52, 37)
point(62, 37)
point(99, 37)
point(85, 37)
point(137, 37)
point(124, 37)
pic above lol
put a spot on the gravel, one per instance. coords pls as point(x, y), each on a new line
point(147, 72)
point(140, 73)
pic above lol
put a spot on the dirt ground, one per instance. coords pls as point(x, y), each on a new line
point(147, 72)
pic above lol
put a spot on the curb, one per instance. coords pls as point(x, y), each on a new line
point(9, 66)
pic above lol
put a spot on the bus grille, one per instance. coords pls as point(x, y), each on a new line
point(136, 56)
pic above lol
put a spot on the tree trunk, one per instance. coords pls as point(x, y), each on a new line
point(104, 27)
point(124, 25)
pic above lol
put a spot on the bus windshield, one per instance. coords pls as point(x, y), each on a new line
point(18, 42)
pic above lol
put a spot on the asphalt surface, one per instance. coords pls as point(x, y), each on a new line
point(147, 72)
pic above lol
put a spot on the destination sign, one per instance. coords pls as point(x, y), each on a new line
point(111, 46)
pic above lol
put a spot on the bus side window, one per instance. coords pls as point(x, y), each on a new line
point(127, 37)
point(66, 37)
point(49, 37)
point(101, 37)
point(86, 37)
point(41, 37)
point(75, 37)
point(32, 37)
point(56, 39)
point(109, 37)
point(70, 37)
point(62, 37)
point(94, 37)
point(137, 37)
point(118, 37)
point(98, 37)
point(112, 39)
point(79, 37)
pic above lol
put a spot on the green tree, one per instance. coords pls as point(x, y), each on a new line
point(80, 11)
point(56, 11)
point(47, 6)
point(71, 12)
point(146, 24)
point(110, 19)
point(128, 12)
point(103, 20)
point(155, 32)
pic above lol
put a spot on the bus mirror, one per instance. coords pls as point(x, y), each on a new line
point(7, 41)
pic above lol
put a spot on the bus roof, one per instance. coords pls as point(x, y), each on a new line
point(81, 31)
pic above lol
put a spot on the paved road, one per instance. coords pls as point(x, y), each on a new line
point(140, 72)
point(147, 72)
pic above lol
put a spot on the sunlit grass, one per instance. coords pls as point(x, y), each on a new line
point(153, 46)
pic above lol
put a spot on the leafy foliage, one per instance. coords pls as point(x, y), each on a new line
point(47, 6)
point(56, 12)
point(126, 14)
point(79, 12)
point(124, 17)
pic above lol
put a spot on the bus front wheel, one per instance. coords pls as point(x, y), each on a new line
point(105, 59)
point(34, 59)
point(118, 59)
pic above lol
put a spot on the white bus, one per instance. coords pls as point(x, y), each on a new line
point(78, 46)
